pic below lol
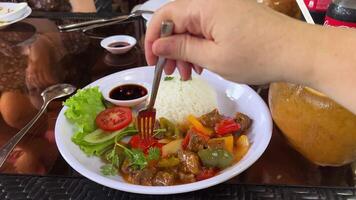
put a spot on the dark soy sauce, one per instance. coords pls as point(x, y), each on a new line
point(118, 44)
point(128, 92)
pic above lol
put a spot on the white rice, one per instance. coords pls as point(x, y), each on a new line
point(177, 99)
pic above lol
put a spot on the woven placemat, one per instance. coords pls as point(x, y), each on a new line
point(16, 187)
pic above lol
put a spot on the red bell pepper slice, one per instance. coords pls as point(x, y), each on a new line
point(185, 141)
point(226, 126)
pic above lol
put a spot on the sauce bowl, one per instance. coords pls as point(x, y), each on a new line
point(129, 41)
point(108, 89)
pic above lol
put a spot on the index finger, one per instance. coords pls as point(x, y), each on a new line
point(179, 13)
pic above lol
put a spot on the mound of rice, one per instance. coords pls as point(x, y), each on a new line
point(177, 99)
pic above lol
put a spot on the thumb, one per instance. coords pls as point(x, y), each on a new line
point(187, 48)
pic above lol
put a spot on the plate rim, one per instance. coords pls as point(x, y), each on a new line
point(24, 16)
point(145, 16)
point(159, 190)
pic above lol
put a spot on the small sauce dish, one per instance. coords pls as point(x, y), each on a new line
point(118, 44)
point(12, 11)
point(125, 94)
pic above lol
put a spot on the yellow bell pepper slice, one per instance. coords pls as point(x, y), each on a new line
point(199, 126)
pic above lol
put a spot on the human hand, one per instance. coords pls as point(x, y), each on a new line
point(238, 39)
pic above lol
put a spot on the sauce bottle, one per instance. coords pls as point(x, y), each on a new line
point(341, 13)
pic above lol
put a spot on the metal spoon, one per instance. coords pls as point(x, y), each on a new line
point(49, 94)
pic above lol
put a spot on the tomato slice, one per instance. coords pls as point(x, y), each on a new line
point(114, 118)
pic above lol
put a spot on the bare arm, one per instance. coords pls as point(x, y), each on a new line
point(334, 65)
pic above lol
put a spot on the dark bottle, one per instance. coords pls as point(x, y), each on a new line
point(317, 9)
point(341, 13)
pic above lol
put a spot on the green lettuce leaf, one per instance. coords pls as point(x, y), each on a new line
point(82, 110)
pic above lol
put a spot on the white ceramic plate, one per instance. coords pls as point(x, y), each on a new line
point(152, 5)
point(26, 14)
point(232, 97)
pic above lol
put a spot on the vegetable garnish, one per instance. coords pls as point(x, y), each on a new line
point(114, 118)
point(154, 153)
point(112, 168)
point(82, 110)
point(137, 142)
point(168, 78)
point(98, 149)
point(136, 156)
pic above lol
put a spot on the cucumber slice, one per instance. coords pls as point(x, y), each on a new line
point(100, 136)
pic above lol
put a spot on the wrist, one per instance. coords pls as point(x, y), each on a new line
point(298, 53)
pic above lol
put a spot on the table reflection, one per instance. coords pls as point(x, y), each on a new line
point(33, 56)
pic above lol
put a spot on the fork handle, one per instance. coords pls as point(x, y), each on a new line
point(166, 30)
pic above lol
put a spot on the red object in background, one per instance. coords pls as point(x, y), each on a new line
point(341, 13)
point(317, 5)
point(317, 9)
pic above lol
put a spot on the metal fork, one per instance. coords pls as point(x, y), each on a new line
point(147, 117)
point(88, 25)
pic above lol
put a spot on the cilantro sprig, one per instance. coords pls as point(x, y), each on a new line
point(111, 169)
point(168, 78)
point(138, 159)
point(153, 153)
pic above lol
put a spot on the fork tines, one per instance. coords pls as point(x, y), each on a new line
point(146, 122)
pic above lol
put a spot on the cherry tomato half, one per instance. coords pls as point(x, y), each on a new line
point(114, 118)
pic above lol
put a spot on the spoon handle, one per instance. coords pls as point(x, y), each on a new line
point(10, 145)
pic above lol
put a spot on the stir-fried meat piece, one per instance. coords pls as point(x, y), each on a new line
point(186, 178)
point(243, 120)
point(196, 142)
point(189, 162)
point(163, 178)
point(173, 170)
point(142, 177)
point(211, 118)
